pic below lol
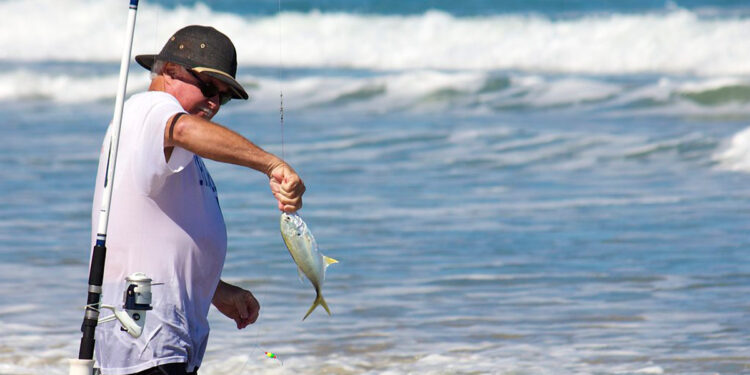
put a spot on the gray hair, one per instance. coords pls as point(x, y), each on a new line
point(159, 65)
point(157, 68)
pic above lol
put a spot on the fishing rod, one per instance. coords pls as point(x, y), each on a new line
point(138, 292)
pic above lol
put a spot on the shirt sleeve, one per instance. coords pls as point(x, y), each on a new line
point(150, 164)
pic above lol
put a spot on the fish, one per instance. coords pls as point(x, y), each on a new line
point(301, 244)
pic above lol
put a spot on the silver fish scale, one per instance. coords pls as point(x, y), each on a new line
point(299, 224)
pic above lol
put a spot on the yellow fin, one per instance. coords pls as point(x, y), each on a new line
point(329, 260)
point(318, 301)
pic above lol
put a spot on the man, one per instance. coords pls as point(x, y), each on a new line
point(165, 216)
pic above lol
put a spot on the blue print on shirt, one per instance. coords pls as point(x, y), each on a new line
point(204, 178)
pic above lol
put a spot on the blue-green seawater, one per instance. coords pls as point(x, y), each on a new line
point(547, 187)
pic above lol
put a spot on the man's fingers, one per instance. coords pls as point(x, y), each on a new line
point(291, 209)
point(286, 201)
point(278, 172)
point(283, 193)
point(288, 205)
point(252, 308)
point(275, 185)
point(287, 194)
point(287, 187)
point(242, 309)
point(290, 184)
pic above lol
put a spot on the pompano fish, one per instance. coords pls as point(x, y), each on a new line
point(301, 244)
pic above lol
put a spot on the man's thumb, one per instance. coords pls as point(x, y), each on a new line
point(278, 173)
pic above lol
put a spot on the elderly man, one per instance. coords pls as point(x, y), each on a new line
point(165, 216)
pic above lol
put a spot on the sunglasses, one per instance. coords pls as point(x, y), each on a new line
point(209, 90)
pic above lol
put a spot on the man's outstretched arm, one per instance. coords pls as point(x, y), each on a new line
point(216, 142)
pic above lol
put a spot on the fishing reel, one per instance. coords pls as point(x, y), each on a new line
point(132, 318)
point(136, 301)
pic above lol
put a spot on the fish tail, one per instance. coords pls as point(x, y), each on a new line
point(319, 300)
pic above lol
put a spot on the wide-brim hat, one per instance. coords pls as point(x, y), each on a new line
point(202, 49)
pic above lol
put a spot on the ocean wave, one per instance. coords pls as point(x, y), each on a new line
point(677, 42)
point(735, 156)
point(420, 91)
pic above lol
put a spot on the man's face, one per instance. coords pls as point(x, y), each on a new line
point(190, 89)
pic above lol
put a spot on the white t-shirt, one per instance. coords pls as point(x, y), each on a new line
point(165, 221)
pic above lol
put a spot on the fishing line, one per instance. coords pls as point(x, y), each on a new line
point(257, 347)
point(266, 353)
point(281, 91)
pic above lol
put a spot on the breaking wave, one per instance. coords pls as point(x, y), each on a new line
point(676, 42)
point(419, 90)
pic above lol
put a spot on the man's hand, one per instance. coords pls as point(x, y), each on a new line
point(236, 303)
point(287, 187)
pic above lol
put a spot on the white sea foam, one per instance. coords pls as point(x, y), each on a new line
point(650, 370)
point(24, 84)
point(676, 42)
point(421, 62)
point(698, 86)
point(569, 90)
point(420, 90)
point(735, 155)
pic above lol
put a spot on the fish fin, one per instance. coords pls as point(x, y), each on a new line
point(325, 305)
point(329, 260)
point(300, 274)
point(319, 300)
